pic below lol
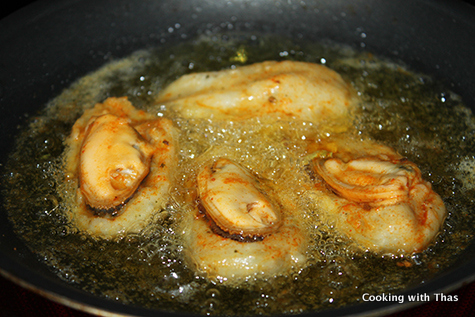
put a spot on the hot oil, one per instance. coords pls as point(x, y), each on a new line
point(412, 113)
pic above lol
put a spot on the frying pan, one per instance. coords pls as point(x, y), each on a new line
point(49, 44)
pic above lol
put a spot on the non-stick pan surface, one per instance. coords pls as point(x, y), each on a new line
point(49, 44)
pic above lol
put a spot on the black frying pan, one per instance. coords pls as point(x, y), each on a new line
point(49, 44)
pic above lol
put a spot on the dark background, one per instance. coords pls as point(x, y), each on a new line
point(16, 301)
point(12, 6)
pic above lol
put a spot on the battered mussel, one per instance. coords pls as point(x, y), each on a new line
point(122, 160)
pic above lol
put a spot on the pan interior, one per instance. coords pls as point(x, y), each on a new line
point(411, 112)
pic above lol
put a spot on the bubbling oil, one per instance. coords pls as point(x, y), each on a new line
point(410, 112)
